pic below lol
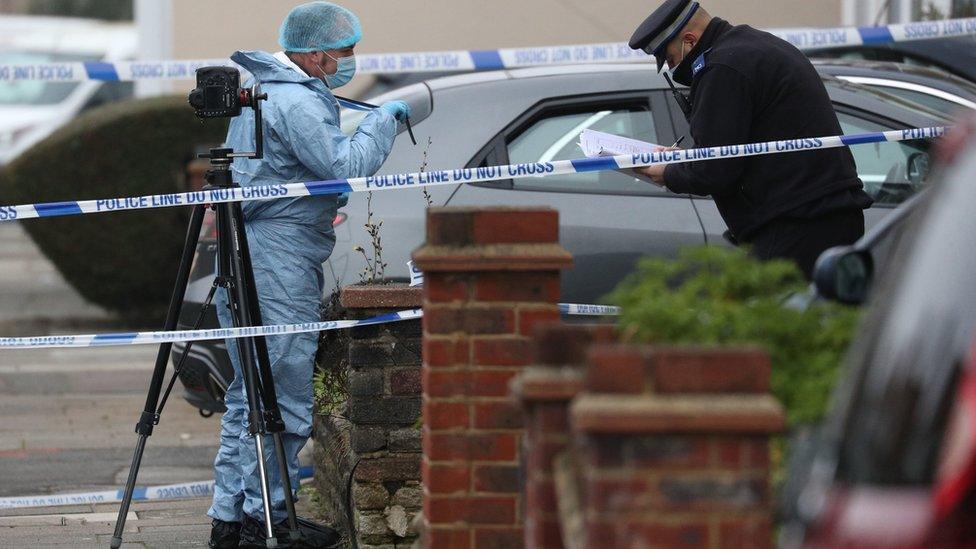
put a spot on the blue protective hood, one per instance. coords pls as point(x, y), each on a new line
point(266, 68)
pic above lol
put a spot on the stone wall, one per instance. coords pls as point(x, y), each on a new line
point(378, 433)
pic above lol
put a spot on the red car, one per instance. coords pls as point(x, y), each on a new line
point(895, 465)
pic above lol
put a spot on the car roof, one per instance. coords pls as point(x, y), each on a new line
point(109, 40)
point(956, 54)
point(468, 79)
point(883, 104)
point(866, 66)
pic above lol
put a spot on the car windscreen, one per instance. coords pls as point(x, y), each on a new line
point(36, 92)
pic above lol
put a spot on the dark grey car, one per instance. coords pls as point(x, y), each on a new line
point(608, 220)
point(956, 55)
point(927, 86)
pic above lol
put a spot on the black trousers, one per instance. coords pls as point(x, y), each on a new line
point(803, 240)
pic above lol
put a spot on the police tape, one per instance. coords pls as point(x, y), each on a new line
point(142, 493)
point(182, 336)
point(579, 309)
point(482, 60)
point(456, 176)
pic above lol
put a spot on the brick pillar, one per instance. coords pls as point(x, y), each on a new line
point(674, 447)
point(545, 390)
point(489, 276)
point(379, 430)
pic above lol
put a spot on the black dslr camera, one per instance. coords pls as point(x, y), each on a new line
point(218, 93)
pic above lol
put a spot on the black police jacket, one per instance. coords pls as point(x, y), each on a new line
point(749, 86)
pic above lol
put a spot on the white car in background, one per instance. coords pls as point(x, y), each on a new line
point(30, 110)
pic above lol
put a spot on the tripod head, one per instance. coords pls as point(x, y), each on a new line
point(218, 95)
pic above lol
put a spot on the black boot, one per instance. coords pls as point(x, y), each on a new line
point(312, 535)
point(253, 534)
point(224, 535)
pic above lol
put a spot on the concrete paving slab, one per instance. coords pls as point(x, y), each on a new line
point(62, 519)
point(31, 511)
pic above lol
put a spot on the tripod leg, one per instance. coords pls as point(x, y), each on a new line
point(273, 420)
point(279, 446)
point(149, 416)
point(229, 240)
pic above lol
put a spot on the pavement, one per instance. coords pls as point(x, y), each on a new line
point(163, 524)
point(67, 418)
point(31, 288)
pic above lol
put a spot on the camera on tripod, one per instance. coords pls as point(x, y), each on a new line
point(219, 95)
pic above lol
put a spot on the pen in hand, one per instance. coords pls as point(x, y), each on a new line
point(678, 142)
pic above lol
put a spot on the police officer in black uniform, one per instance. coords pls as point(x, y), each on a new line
point(749, 86)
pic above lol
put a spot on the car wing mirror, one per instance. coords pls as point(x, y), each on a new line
point(918, 168)
point(844, 274)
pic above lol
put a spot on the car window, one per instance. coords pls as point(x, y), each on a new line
point(882, 167)
point(556, 137)
point(36, 92)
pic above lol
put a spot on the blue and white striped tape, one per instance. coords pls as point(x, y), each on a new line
point(181, 336)
point(579, 309)
point(453, 177)
point(141, 493)
point(482, 60)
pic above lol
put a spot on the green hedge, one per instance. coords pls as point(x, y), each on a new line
point(124, 261)
point(717, 296)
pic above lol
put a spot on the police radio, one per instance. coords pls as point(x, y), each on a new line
point(683, 102)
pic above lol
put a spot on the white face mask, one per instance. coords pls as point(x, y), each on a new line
point(345, 69)
point(684, 76)
point(683, 54)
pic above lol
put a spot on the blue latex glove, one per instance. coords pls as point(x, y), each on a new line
point(399, 109)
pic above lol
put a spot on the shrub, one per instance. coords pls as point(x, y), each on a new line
point(124, 261)
point(716, 296)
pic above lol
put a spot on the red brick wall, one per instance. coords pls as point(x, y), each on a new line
point(490, 276)
point(673, 445)
point(545, 390)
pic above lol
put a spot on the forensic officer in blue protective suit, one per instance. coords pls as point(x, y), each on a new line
point(289, 240)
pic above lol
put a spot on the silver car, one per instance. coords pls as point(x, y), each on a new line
point(607, 219)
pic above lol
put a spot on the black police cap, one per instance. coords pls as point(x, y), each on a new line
point(661, 27)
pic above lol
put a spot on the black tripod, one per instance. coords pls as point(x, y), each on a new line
point(235, 274)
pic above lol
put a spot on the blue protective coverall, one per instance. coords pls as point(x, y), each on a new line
point(289, 240)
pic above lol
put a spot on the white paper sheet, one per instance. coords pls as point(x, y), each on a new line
point(596, 143)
